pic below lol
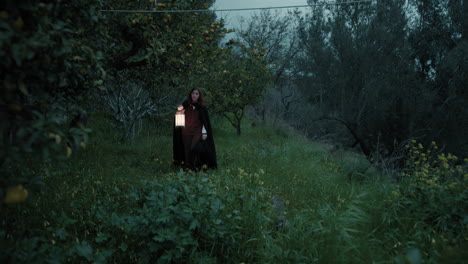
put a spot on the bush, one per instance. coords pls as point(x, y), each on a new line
point(179, 218)
point(432, 197)
point(435, 186)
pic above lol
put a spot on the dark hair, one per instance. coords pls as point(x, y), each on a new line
point(201, 101)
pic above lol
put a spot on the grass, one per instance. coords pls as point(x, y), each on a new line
point(332, 216)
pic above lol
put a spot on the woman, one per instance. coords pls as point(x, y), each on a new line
point(193, 144)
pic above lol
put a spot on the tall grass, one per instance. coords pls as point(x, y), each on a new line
point(125, 202)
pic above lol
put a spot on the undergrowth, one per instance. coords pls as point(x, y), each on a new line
point(117, 202)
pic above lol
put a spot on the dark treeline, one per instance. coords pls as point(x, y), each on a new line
point(370, 75)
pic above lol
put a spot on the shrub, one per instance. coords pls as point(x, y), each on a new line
point(432, 194)
point(177, 218)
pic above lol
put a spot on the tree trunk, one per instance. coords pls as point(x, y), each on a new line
point(238, 129)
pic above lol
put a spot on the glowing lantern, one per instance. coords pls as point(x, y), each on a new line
point(180, 119)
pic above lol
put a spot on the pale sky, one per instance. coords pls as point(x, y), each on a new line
point(232, 17)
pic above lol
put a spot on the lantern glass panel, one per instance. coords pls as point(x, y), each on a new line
point(179, 120)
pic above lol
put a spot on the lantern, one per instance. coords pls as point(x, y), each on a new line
point(180, 119)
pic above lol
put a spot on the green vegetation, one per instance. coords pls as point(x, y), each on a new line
point(120, 202)
point(377, 74)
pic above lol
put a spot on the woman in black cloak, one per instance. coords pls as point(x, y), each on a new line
point(193, 145)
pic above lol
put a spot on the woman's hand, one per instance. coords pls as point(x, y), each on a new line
point(204, 136)
point(180, 107)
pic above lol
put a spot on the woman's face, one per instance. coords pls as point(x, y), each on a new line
point(195, 95)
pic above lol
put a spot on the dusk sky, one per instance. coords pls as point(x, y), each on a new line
point(232, 17)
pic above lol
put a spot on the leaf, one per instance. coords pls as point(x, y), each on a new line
point(194, 224)
point(123, 246)
point(101, 238)
point(61, 234)
point(115, 219)
point(85, 250)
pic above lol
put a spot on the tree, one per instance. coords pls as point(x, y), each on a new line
point(357, 71)
point(237, 81)
point(167, 51)
point(48, 57)
point(129, 102)
point(438, 38)
point(271, 35)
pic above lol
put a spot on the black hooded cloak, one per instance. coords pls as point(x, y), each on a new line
point(204, 148)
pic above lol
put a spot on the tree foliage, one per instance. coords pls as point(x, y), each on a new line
point(49, 63)
point(271, 35)
point(383, 75)
point(168, 51)
point(237, 82)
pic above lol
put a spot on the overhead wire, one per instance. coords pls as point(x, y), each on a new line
point(237, 9)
